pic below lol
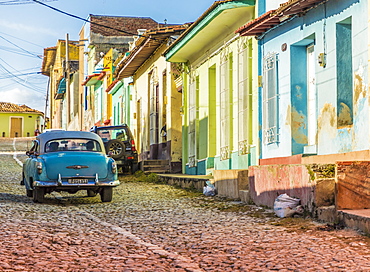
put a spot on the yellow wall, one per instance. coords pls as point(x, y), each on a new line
point(29, 123)
point(108, 68)
point(169, 104)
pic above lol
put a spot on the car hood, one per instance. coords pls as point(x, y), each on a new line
point(75, 164)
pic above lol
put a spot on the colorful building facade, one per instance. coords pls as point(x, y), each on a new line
point(155, 100)
point(61, 64)
point(219, 90)
point(19, 120)
point(314, 65)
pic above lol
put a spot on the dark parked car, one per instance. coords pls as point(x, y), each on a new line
point(120, 145)
point(69, 161)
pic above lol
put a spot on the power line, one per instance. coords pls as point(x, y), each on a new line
point(85, 20)
point(19, 75)
point(21, 48)
point(18, 52)
point(19, 2)
point(17, 79)
point(21, 39)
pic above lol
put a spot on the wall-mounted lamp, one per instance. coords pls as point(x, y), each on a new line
point(322, 59)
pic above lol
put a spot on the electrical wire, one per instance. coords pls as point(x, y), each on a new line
point(19, 75)
point(2, 33)
point(85, 20)
point(18, 52)
point(93, 23)
point(18, 80)
point(18, 2)
point(20, 48)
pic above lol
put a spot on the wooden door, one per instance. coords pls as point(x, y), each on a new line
point(15, 127)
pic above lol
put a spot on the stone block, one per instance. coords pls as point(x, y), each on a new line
point(244, 196)
point(327, 214)
point(325, 192)
point(229, 182)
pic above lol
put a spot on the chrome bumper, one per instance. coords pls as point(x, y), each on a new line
point(60, 183)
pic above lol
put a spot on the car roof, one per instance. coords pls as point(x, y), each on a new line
point(59, 134)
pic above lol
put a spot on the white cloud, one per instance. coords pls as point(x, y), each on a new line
point(31, 99)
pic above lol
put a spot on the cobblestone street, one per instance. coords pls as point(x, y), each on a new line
point(156, 227)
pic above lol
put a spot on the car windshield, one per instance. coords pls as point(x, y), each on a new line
point(72, 145)
point(113, 133)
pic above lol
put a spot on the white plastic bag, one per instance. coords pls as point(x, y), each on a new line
point(286, 206)
point(209, 189)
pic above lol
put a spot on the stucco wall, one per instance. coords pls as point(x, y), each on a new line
point(319, 27)
point(269, 181)
point(29, 123)
point(229, 182)
point(353, 185)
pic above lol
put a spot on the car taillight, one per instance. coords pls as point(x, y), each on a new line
point(133, 148)
point(114, 167)
point(39, 167)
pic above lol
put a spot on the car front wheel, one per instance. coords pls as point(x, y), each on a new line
point(91, 193)
point(38, 195)
point(106, 194)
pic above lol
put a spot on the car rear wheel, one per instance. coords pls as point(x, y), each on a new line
point(38, 195)
point(116, 148)
point(133, 168)
point(106, 194)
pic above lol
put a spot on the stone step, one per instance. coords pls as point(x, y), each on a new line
point(355, 219)
point(155, 166)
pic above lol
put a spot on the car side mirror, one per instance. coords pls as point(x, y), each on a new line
point(30, 153)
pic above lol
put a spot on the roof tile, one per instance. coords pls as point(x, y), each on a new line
point(10, 107)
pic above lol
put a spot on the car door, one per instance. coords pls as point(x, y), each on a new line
point(29, 166)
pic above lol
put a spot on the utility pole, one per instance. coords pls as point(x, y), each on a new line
point(46, 105)
point(66, 100)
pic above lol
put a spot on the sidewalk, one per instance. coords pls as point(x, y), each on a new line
point(355, 219)
point(186, 181)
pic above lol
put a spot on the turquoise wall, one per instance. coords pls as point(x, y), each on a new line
point(338, 30)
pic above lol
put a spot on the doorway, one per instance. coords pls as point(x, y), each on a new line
point(16, 127)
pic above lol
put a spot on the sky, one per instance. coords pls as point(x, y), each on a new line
point(26, 28)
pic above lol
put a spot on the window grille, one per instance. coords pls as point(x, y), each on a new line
point(153, 109)
point(270, 99)
point(192, 122)
point(225, 107)
point(244, 99)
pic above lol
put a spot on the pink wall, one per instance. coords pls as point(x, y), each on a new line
point(269, 181)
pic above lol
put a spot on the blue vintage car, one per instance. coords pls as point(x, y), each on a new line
point(69, 161)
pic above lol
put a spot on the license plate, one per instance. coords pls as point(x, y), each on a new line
point(78, 181)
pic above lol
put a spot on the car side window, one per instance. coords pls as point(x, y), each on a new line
point(121, 135)
point(104, 134)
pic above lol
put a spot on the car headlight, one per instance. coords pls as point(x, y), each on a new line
point(114, 167)
point(39, 167)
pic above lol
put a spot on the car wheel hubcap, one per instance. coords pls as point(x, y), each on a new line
point(116, 149)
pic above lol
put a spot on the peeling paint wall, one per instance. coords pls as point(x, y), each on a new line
point(313, 184)
point(268, 182)
point(342, 103)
